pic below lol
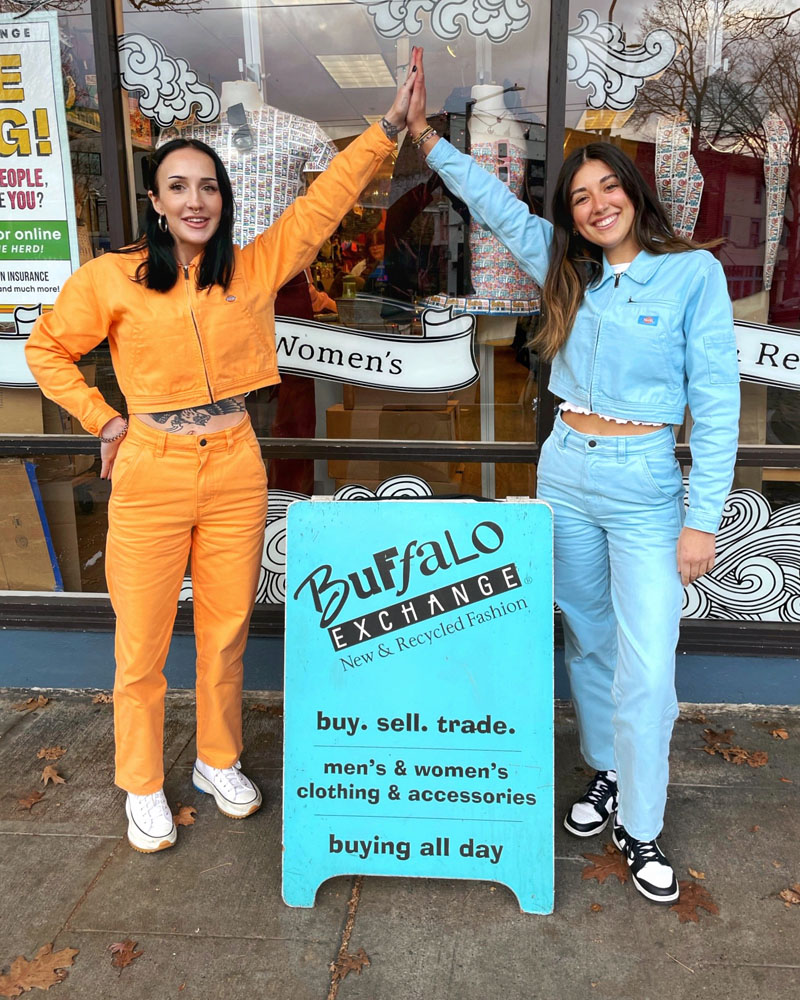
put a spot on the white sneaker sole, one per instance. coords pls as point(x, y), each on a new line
point(584, 833)
point(651, 896)
point(144, 844)
point(233, 810)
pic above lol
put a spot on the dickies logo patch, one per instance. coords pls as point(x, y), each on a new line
point(648, 319)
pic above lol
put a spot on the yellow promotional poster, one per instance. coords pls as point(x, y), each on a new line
point(38, 235)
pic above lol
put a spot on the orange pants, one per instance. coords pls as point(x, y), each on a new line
point(173, 496)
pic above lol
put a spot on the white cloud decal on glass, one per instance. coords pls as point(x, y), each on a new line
point(497, 19)
point(168, 87)
point(599, 61)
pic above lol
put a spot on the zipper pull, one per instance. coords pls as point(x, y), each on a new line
point(185, 271)
point(616, 280)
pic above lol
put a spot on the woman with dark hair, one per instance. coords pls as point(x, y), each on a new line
point(190, 322)
point(637, 324)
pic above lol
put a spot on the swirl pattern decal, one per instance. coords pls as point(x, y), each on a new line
point(496, 19)
point(168, 87)
point(598, 60)
point(757, 572)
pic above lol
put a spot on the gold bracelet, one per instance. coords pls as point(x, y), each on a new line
point(427, 133)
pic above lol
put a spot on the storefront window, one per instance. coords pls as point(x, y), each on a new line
point(280, 90)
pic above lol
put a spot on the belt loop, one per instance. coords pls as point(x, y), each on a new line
point(622, 448)
point(230, 439)
point(161, 444)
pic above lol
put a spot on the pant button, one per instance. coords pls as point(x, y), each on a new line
point(203, 442)
point(592, 444)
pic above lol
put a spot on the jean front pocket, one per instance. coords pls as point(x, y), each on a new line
point(128, 458)
point(662, 475)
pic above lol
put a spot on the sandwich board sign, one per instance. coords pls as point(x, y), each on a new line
point(418, 719)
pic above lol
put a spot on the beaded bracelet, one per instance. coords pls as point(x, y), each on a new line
point(427, 133)
point(116, 437)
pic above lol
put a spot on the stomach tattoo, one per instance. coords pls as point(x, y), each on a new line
point(195, 418)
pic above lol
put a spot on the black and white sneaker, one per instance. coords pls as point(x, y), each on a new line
point(652, 874)
point(590, 814)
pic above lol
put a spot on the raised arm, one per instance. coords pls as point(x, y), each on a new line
point(293, 241)
point(490, 201)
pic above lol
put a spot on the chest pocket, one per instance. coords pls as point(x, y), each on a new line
point(643, 352)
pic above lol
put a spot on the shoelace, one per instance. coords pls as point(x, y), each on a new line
point(155, 806)
point(236, 779)
point(644, 850)
point(598, 789)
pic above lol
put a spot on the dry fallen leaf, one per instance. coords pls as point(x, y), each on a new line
point(31, 800)
point(51, 753)
point(755, 829)
point(696, 719)
point(791, 897)
point(42, 972)
point(31, 704)
point(787, 781)
point(185, 815)
point(611, 862)
point(103, 698)
point(779, 734)
point(693, 896)
point(714, 739)
point(757, 758)
point(123, 952)
point(347, 963)
point(695, 874)
point(50, 774)
point(274, 710)
point(596, 908)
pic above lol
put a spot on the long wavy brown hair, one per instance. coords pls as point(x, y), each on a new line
point(575, 263)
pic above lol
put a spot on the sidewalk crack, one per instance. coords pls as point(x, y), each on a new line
point(345, 962)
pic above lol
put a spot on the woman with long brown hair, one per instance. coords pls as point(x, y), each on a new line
point(637, 324)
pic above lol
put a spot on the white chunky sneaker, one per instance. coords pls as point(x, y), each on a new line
point(590, 814)
point(150, 824)
point(652, 874)
point(236, 795)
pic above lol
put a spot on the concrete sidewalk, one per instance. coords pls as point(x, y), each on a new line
point(209, 918)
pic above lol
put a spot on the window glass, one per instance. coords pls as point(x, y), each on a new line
point(309, 78)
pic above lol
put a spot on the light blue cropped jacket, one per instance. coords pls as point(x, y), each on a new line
point(644, 344)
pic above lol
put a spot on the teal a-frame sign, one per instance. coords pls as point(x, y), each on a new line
point(419, 694)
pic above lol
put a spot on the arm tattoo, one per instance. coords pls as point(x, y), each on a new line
point(196, 416)
point(390, 129)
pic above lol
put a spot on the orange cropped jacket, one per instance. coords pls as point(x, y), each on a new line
point(189, 346)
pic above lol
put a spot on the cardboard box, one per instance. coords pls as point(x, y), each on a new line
point(393, 425)
point(27, 557)
point(59, 507)
point(21, 411)
point(57, 421)
point(361, 397)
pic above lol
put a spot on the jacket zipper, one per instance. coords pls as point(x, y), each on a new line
point(596, 344)
point(197, 332)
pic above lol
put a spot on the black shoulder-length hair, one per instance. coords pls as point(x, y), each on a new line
point(160, 270)
point(576, 263)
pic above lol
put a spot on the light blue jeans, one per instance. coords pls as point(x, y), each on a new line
point(618, 510)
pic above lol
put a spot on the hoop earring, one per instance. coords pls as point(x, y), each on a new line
point(162, 224)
